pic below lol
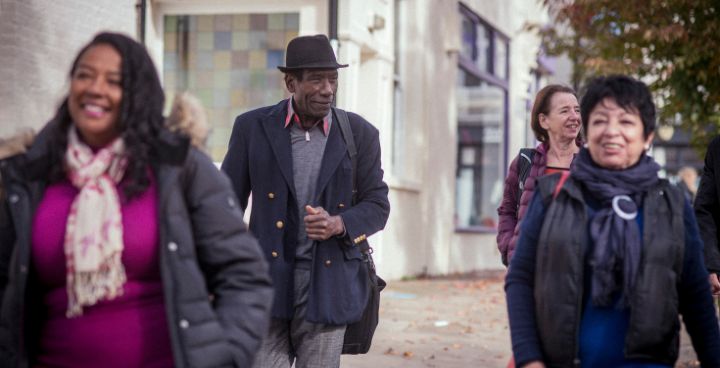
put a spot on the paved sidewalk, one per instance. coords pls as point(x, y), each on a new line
point(448, 323)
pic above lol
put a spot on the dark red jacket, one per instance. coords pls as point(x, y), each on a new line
point(509, 214)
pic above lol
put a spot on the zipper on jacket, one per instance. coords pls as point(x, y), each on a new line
point(19, 264)
point(581, 290)
point(165, 177)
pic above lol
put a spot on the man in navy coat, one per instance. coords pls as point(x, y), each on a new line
point(293, 159)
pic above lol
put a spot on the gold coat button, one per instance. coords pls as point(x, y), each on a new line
point(274, 254)
point(328, 263)
point(279, 224)
point(271, 195)
point(341, 205)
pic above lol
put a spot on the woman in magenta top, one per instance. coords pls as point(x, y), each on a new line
point(556, 123)
point(125, 247)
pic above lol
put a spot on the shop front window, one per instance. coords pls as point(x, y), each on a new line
point(481, 115)
point(482, 95)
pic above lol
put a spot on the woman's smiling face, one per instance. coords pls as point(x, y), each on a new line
point(563, 118)
point(96, 95)
point(615, 136)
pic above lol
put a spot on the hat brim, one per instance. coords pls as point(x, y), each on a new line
point(322, 65)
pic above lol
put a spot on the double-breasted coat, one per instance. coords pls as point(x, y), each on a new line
point(259, 161)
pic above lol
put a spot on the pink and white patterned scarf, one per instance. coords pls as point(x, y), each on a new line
point(94, 232)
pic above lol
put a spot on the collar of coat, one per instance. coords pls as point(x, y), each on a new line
point(17, 144)
point(292, 116)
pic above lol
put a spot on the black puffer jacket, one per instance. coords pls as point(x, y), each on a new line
point(707, 206)
point(215, 280)
point(562, 265)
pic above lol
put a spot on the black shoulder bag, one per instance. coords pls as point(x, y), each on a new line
point(525, 158)
point(358, 335)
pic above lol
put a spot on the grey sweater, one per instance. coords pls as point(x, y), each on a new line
point(308, 148)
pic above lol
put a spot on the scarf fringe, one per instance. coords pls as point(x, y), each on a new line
point(87, 288)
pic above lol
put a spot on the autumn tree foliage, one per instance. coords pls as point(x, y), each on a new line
point(674, 45)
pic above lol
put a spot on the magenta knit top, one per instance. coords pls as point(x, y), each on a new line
point(129, 331)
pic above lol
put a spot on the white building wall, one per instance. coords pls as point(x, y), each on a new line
point(523, 56)
point(365, 35)
point(38, 41)
point(420, 236)
point(436, 105)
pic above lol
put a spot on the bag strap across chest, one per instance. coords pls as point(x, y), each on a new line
point(525, 159)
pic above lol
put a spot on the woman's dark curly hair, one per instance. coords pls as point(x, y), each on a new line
point(140, 120)
point(630, 94)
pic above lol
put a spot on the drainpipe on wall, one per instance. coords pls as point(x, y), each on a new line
point(333, 32)
point(141, 8)
point(333, 25)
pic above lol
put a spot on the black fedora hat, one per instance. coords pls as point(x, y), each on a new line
point(310, 52)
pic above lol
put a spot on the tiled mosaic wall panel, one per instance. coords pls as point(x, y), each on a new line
point(228, 61)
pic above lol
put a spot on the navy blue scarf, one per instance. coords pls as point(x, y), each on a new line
point(614, 231)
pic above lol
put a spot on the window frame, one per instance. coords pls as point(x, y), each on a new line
point(398, 163)
point(469, 66)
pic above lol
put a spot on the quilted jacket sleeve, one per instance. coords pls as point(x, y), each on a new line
point(507, 211)
point(236, 273)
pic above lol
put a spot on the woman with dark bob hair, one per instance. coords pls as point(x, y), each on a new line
point(555, 122)
point(125, 246)
point(609, 254)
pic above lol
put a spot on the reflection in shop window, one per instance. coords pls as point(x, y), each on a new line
point(501, 53)
point(481, 116)
point(468, 39)
point(229, 61)
point(482, 50)
point(481, 92)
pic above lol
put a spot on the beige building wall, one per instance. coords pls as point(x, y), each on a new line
point(414, 105)
point(420, 236)
point(38, 41)
point(429, 75)
point(365, 35)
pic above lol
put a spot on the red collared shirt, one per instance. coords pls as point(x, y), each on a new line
point(292, 116)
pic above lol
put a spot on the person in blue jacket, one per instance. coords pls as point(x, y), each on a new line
point(609, 255)
point(293, 158)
